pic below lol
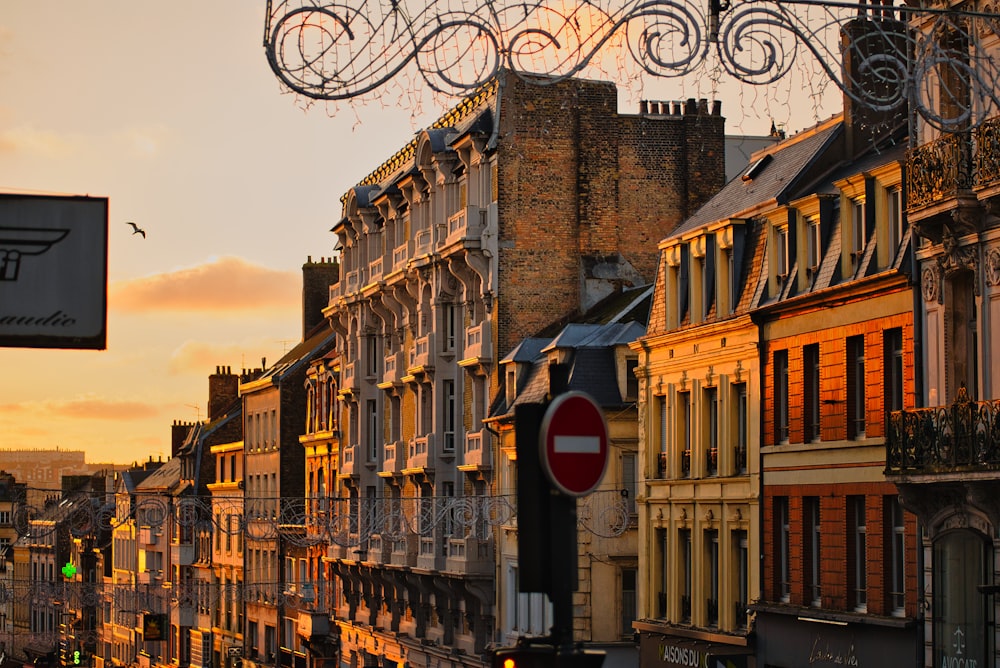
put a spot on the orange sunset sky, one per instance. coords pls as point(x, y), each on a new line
point(170, 110)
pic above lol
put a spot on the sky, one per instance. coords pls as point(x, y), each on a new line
point(170, 111)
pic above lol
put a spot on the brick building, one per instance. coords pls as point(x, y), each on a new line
point(942, 454)
point(522, 207)
point(836, 329)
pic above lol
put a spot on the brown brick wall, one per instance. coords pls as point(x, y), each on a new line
point(575, 179)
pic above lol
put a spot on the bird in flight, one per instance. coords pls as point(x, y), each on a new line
point(136, 229)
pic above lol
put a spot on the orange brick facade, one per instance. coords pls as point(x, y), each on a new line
point(833, 378)
point(836, 546)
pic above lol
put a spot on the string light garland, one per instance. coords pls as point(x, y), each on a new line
point(364, 50)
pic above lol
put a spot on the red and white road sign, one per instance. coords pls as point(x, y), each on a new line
point(573, 443)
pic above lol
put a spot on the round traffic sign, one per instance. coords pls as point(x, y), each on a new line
point(573, 443)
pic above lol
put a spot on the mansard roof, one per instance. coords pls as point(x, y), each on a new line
point(781, 170)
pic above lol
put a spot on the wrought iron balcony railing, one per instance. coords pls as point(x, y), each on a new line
point(938, 170)
point(962, 437)
point(988, 152)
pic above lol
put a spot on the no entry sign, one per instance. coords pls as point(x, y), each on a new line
point(574, 443)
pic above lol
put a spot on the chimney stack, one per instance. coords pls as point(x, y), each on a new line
point(317, 277)
point(223, 390)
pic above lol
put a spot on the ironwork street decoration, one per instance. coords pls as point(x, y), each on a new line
point(339, 50)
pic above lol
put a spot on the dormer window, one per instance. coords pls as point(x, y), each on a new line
point(814, 249)
point(756, 167)
point(859, 233)
point(894, 215)
point(511, 384)
point(782, 265)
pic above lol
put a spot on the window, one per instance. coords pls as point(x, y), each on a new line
point(371, 356)
point(814, 248)
point(741, 557)
point(895, 222)
point(448, 389)
point(781, 396)
point(661, 463)
point(661, 572)
point(371, 421)
point(712, 557)
point(685, 545)
point(858, 545)
point(711, 403)
point(684, 430)
point(783, 538)
point(855, 387)
point(629, 482)
point(629, 600)
point(813, 555)
point(892, 344)
point(811, 389)
point(450, 327)
point(631, 380)
point(739, 391)
point(782, 260)
point(859, 231)
point(897, 556)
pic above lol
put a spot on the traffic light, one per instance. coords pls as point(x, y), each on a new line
point(532, 656)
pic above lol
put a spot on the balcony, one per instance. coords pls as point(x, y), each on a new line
point(479, 342)
point(473, 455)
point(150, 535)
point(347, 461)
point(374, 271)
point(352, 282)
point(151, 577)
point(401, 254)
point(945, 442)
point(470, 555)
point(940, 177)
point(395, 458)
point(392, 370)
point(348, 377)
point(182, 554)
point(422, 242)
point(379, 549)
point(430, 557)
point(420, 451)
point(938, 170)
point(422, 353)
point(987, 158)
point(336, 291)
point(467, 223)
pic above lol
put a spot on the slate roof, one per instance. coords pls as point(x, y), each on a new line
point(789, 164)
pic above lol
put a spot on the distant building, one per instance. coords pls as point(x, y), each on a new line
point(522, 207)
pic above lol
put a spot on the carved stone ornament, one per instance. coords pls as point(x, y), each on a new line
point(956, 258)
point(930, 283)
point(993, 267)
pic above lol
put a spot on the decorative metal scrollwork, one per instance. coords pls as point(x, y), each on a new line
point(334, 50)
point(347, 522)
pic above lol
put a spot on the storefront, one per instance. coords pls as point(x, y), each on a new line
point(791, 640)
point(661, 646)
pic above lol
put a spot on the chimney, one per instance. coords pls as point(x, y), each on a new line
point(317, 277)
point(223, 390)
point(863, 39)
point(178, 432)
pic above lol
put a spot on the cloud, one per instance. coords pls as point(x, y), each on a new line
point(145, 141)
point(226, 284)
point(197, 356)
point(32, 141)
point(88, 407)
